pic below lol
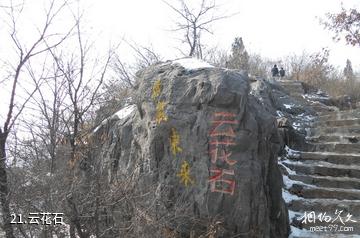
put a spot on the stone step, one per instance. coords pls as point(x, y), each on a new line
point(294, 91)
point(335, 158)
point(334, 147)
point(293, 88)
point(348, 114)
point(327, 181)
point(289, 81)
point(323, 169)
point(345, 130)
point(329, 206)
point(307, 191)
point(345, 139)
point(291, 84)
point(320, 108)
point(337, 123)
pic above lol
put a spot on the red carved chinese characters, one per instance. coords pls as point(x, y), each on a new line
point(228, 185)
point(222, 136)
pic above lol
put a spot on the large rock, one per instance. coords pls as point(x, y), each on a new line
point(202, 152)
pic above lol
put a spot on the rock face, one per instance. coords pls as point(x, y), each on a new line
point(202, 150)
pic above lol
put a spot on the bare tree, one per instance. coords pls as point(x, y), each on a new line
point(193, 23)
point(144, 57)
point(346, 23)
point(25, 53)
point(217, 56)
point(122, 77)
point(83, 77)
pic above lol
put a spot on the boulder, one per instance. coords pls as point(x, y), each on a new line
point(200, 152)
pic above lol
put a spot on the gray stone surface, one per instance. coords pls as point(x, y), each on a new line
point(138, 146)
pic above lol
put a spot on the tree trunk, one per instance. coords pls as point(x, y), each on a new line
point(4, 190)
point(74, 216)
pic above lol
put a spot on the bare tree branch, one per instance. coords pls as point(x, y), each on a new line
point(193, 23)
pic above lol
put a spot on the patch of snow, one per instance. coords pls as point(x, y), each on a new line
point(308, 118)
point(128, 100)
point(320, 92)
point(297, 233)
point(294, 162)
point(121, 114)
point(315, 97)
point(288, 106)
point(288, 170)
point(280, 113)
point(304, 117)
point(28, 183)
point(293, 215)
point(292, 153)
point(296, 126)
point(192, 63)
point(288, 197)
point(288, 182)
point(125, 112)
point(335, 153)
point(101, 124)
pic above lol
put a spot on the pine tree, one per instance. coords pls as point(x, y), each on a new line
point(239, 58)
point(348, 70)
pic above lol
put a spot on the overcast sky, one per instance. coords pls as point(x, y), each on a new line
point(273, 28)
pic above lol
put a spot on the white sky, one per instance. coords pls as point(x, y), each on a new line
point(273, 28)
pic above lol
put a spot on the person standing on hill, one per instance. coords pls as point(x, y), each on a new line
point(275, 71)
point(282, 72)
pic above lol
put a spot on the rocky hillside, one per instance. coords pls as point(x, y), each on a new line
point(198, 152)
point(199, 148)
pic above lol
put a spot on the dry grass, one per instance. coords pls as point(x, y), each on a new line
point(336, 88)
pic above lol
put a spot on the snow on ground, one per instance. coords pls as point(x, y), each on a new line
point(288, 182)
point(121, 114)
point(289, 171)
point(335, 153)
point(27, 184)
point(296, 126)
point(192, 63)
point(315, 97)
point(288, 197)
point(280, 113)
point(124, 112)
point(292, 153)
point(296, 232)
point(288, 106)
point(307, 118)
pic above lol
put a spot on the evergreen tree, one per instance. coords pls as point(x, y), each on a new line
point(348, 70)
point(239, 58)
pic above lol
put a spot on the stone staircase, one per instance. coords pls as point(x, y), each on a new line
point(322, 184)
